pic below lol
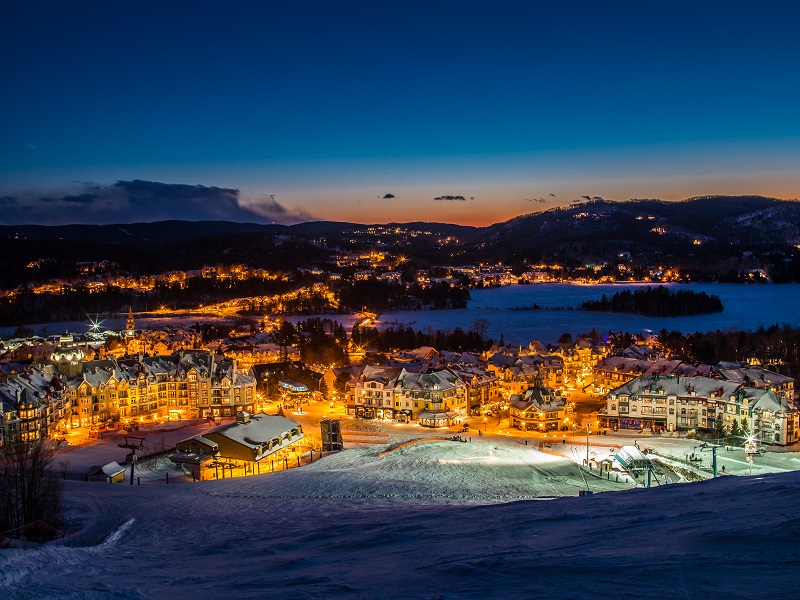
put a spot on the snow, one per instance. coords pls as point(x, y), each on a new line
point(490, 518)
point(261, 429)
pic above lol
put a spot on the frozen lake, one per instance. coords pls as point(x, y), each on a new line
point(746, 307)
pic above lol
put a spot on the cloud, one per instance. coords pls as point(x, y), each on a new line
point(269, 208)
point(388, 196)
point(81, 199)
point(537, 200)
point(140, 200)
point(452, 198)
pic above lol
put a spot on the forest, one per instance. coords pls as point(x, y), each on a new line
point(658, 301)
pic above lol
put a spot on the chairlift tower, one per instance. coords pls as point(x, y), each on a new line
point(705, 447)
point(135, 443)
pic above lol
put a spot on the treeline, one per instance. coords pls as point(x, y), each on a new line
point(379, 296)
point(657, 301)
point(394, 338)
point(320, 341)
point(778, 347)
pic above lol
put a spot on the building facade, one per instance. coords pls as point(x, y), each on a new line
point(191, 384)
point(394, 393)
point(34, 404)
point(538, 409)
point(674, 403)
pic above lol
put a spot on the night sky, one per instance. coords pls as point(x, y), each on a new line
point(381, 111)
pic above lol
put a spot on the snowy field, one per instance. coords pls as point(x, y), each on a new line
point(486, 519)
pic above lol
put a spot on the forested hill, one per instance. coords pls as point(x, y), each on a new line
point(709, 238)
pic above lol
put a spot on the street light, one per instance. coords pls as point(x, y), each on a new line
point(484, 424)
point(588, 425)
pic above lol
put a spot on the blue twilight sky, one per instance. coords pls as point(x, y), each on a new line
point(464, 112)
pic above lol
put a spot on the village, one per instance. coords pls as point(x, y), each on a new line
point(245, 405)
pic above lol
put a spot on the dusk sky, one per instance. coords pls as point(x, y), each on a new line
point(389, 111)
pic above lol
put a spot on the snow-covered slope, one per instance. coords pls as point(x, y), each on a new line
point(432, 520)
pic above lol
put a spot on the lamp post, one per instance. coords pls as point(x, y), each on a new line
point(484, 424)
point(588, 425)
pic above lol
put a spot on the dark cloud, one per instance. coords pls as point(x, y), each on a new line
point(456, 198)
point(537, 200)
point(139, 200)
point(155, 194)
point(8, 200)
point(269, 208)
point(586, 197)
point(553, 195)
point(81, 199)
point(88, 185)
point(388, 196)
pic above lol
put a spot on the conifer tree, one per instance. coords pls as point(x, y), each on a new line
point(719, 428)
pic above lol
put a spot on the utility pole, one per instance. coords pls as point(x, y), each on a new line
point(133, 447)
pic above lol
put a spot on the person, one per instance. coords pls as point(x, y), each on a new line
point(723, 468)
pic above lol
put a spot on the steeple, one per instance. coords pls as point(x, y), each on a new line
point(130, 326)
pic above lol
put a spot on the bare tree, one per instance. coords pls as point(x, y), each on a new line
point(31, 493)
point(481, 327)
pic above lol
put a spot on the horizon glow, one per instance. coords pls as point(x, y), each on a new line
point(314, 111)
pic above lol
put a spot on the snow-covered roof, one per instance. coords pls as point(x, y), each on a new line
point(261, 429)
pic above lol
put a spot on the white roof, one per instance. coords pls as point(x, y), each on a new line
point(259, 430)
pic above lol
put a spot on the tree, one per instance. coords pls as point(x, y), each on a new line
point(31, 494)
point(480, 326)
point(719, 428)
point(735, 429)
point(566, 338)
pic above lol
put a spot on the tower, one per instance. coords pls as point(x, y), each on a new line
point(130, 326)
point(131, 343)
point(68, 357)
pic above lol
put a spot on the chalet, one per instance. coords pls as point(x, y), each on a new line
point(538, 409)
point(253, 438)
